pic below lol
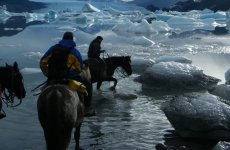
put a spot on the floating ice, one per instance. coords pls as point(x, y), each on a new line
point(222, 145)
point(118, 12)
point(228, 20)
point(136, 28)
point(30, 70)
point(220, 15)
point(227, 77)
point(67, 28)
point(180, 59)
point(51, 16)
point(4, 14)
point(34, 55)
point(90, 8)
point(221, 90)
point(142, 40)
point(140, 64)
point(199, 116)
point(174, 75)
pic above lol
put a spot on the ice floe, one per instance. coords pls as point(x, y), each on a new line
point(180, 59)
point(174, 75)
point(89, 8)
point(221, 90)
point(139, 64)
point(30, 70)
point(227, 77)
point(201, 116)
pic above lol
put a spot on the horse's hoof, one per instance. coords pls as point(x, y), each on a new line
point(112, 88)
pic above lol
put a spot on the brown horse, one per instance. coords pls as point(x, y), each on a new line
point(60, 110)
point(112, 63)
point(11, 84)
point(11, 80)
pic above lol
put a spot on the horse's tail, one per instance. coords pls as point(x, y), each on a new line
point(56, 117)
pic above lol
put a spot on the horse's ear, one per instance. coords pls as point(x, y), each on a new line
point(6, 65)
point(15, 65)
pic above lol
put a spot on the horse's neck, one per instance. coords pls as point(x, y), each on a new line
point(115, 62)
point(3, 76)
point(2, 73)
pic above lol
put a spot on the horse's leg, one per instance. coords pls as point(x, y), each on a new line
point(99, 84)
point(111, 79)
point(77, 137)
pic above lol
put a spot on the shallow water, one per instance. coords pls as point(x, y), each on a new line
point(120, 123)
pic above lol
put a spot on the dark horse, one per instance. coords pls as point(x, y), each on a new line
point(112, 63)
point(60, 109)
point(11, 82)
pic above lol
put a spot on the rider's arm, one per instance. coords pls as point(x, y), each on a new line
point(44, 61)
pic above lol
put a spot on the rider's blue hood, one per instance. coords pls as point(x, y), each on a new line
point(67, 43)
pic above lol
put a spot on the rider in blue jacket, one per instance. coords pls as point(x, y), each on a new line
point(74, 63)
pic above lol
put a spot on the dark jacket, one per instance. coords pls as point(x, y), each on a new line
point(94, 49)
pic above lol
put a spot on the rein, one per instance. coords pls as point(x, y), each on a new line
point(8, 99)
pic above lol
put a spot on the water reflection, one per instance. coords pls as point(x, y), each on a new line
point(14, 25)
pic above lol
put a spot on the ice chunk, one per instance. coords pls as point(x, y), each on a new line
point(90, 8)
point(228, 20)
point(221, 90)
point(174, 75)
point(199, 116)
point(136, 28)
point(180, 59)
point(30, 70)
point(34, 55)
point(139, 64)
point(227, 77)
point(142, 40)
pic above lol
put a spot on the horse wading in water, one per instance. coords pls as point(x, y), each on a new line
point(12, 85)
point(60, 109)
point(112, 63)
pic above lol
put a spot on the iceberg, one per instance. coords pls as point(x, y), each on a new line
point(142, 40)
point(228, 20)
point(201, 116)
point(34, 55)
point(179, 59)
point(90, 8)
point(135, 28)
point(221, 90)
point(174, 75)
point(227, 77)
point(222, 145)
point(30, 70)
point(4, 14)
point(140, 64)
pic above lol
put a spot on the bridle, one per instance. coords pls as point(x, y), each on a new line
point(9, 95)
point(120, 71)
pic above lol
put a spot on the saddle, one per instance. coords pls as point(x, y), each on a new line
point(97, 66)
point(72, 84)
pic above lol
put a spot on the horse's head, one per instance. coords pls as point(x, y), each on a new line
point(126, 64)
point(14, 81)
